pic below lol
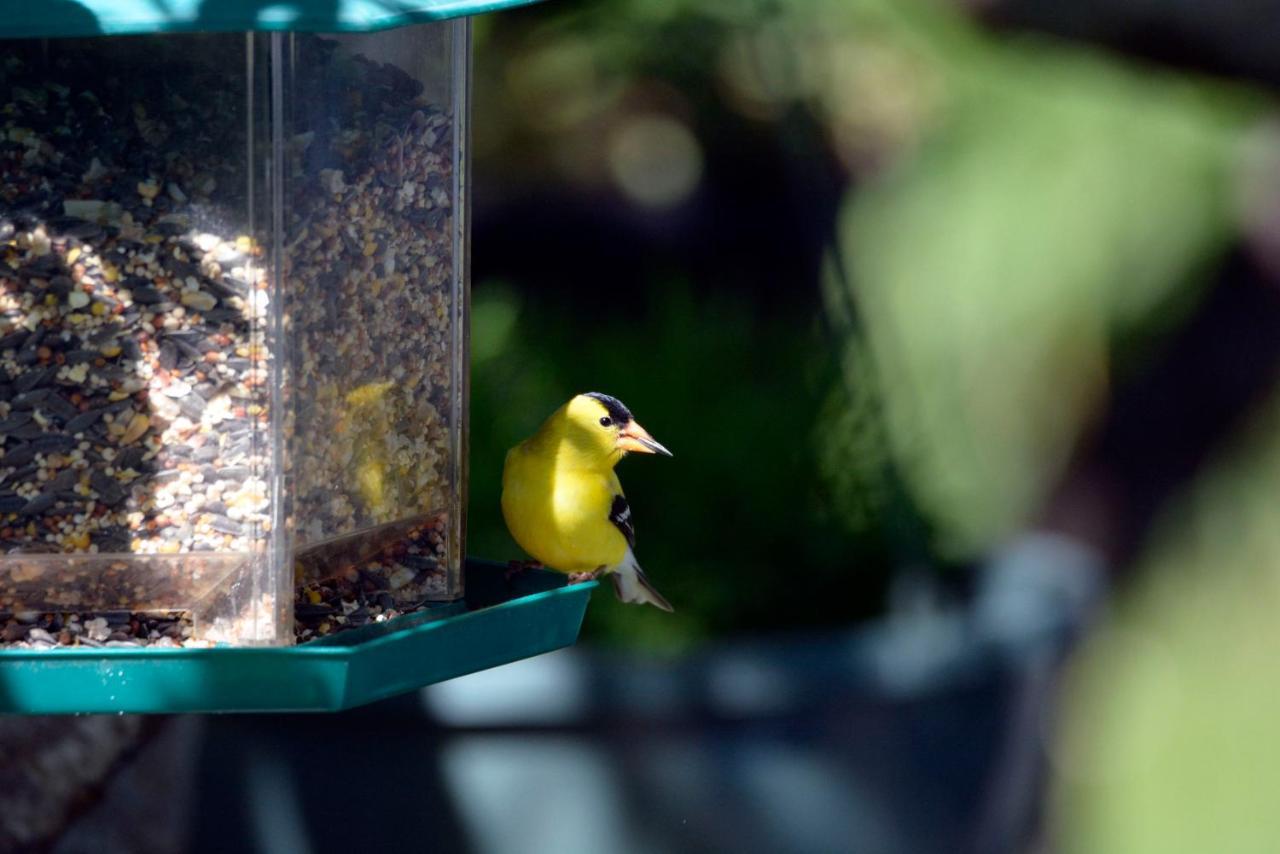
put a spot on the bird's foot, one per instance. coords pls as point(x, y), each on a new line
point(579, 577)
point(516, 567)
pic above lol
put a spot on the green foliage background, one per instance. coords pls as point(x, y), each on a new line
point(1019, 226)
point(1018, 223)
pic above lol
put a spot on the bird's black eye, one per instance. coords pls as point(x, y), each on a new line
point(605, 421)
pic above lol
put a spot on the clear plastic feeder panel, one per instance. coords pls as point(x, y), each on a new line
point(233, 285)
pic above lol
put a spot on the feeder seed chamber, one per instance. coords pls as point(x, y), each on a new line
point(233, 357)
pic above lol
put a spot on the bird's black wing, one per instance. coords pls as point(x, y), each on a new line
point(620, 515)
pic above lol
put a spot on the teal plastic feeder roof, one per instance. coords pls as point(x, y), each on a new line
point(234, 260)
point(70, 18)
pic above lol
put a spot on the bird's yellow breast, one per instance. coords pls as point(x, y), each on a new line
point(560, 514)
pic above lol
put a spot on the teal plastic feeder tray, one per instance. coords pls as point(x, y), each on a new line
point(233, 353)
point(500, 621)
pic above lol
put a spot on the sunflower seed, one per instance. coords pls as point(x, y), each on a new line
point(38, 505)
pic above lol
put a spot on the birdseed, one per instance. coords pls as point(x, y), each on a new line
point(138, 346)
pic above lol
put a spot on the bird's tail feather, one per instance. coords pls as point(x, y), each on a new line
point(632, 585)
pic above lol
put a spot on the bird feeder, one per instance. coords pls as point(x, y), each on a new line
point(233, 322)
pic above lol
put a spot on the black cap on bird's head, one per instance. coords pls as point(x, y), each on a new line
point(617, 409)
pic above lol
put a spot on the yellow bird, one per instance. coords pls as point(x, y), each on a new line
point(564, 504)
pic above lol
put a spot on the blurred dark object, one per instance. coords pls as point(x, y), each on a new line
point(913, 735)
point(1233, 38)
point(57, 768)
point(144, 806)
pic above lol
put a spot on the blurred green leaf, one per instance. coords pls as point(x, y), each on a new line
point(1060, 203)
point(1168, 744)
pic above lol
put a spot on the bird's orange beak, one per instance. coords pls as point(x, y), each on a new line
point(633, 437)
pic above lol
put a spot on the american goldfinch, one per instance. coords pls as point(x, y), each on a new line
point(563, 503)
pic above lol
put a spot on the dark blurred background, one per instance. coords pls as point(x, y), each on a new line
point(895, 280)
point(962, 320)
point(948, 310)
